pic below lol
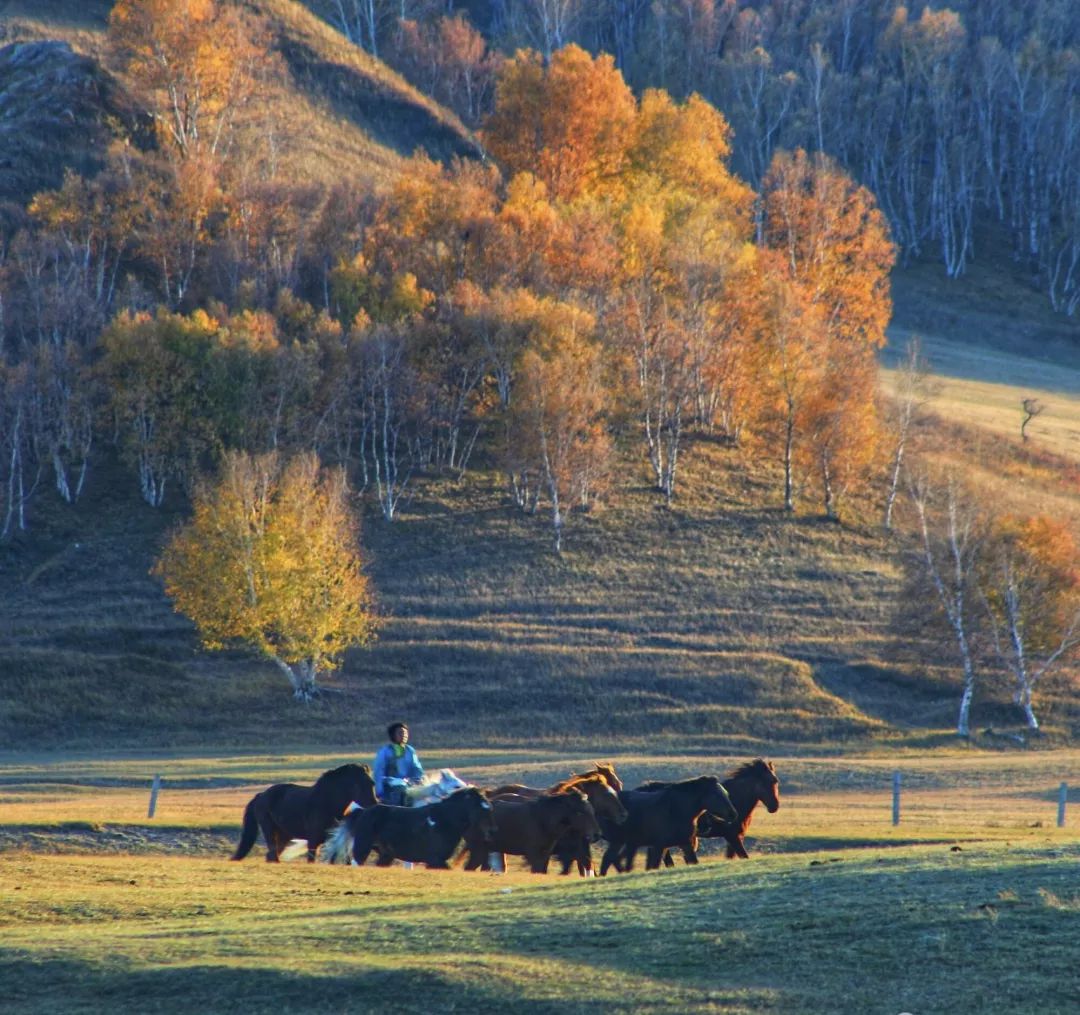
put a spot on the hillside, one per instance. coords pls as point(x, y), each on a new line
point(719, 625)
point(348, 115)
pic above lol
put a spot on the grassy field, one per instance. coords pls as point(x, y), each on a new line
point(969, 905)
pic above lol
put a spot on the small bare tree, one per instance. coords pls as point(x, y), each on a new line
point(1032, 408)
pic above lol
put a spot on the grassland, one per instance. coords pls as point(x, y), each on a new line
point(969, 905)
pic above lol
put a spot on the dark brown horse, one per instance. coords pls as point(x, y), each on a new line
point(601, 785)
point(752, 783)
point(530, 827)
point(286, 811)
point(663, 818)
point(428, 835)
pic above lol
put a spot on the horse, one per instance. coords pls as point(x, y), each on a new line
point(530, 827)
point(748, 785)
point(608, 809)
point(286, 811)
point(600, 785)
point(428, 835)
point(665, 817)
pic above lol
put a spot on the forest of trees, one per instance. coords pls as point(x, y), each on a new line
point(623, 274)
point(960, 117)
point(605, 279)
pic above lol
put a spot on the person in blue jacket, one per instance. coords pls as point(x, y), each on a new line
point(396, 766)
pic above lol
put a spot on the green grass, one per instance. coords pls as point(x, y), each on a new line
point(827, 925)
point(970, 904)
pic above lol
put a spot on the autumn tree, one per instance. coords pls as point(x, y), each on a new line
point(833, 243)
point(912, 389)
point(450, 61)
point(787, 334)
point(1030, 586)
point(270, 559)
point(152, 368)
point(569, 122)
point(199, 62)
point(556, 441)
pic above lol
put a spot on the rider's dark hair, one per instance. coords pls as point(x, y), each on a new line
point(393, 727)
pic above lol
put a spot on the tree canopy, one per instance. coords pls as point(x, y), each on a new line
point(270, 559)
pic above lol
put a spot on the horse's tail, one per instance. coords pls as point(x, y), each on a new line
point(250, 831)
point(338, 845)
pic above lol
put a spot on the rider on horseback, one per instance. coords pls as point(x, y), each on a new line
point(396, 766)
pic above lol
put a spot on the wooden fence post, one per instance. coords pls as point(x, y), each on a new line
point(1063, 796)
point(153, 795)
point(896, 798)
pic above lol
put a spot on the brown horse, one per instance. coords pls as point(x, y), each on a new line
point(428, 835)
point(600, 784)
point(663, 818)
point(530, 827)
point(286, 811)
point(607, 806)
point(752, 783)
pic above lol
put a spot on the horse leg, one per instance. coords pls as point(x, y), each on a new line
point(736, 848)
point(689, 850)
point(608, 859)
point(584, 860)
point(361, 848)
point(476, 858)
point(273, 847)
point(538, 862)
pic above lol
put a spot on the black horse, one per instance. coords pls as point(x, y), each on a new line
point(428, 835)
point(286, 811)
point(752, 783)
point(663, 818)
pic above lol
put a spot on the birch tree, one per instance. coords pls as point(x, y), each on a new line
point(951, 539)
point(270, 559)
point(1030, 587)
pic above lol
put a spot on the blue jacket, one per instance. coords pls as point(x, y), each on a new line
point(389, 766)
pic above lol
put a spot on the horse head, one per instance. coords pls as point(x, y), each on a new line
point(767, 784)
point(480, 813)
point(606, 771)
point(605, 801)
point(576, 815)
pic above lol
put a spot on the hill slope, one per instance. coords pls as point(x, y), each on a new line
point(719, 625)
point(341, 113)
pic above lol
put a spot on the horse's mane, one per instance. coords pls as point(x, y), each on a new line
point(603, 771)
point(750, 768)
point(341, 772)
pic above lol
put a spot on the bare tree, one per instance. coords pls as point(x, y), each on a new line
point(1032, 408)
point(950, 545)
point(913, 389)
point(1029, 590)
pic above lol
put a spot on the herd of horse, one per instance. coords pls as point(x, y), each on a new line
point(479, 827)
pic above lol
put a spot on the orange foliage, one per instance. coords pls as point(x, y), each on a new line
point(570, 123)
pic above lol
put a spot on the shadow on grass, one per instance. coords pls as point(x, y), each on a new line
point(71, 986)
point(32, 986)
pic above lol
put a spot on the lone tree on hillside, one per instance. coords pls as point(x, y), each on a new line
point(270, 560)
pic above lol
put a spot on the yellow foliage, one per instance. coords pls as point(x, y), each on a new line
point(271, 559)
